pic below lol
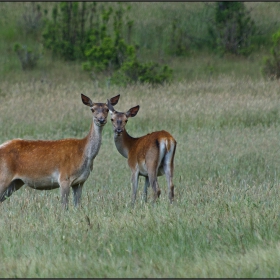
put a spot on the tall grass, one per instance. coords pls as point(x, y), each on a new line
point(224, 222)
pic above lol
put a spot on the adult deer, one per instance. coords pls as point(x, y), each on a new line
point(150, 156)
point(46, 165)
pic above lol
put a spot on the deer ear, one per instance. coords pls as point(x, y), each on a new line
point(114, 100)
point(110, 107)
point(132, 112)
point(86, 100)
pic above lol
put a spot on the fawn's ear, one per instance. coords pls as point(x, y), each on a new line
point(114, 100)
point(86, 100)
point(110, 107)
point(132, 112)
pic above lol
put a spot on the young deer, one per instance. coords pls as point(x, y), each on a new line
point(150, 156)
point(46, 165)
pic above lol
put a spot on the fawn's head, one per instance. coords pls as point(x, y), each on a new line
point(120, 119)
point(99, 110)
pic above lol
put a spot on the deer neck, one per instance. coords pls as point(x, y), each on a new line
point(124, 143)
point(93, 141)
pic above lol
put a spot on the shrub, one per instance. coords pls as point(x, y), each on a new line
point(27, 57)
point(134, 71)
point(232, 28)
point(76, 32)
point(179, 41)
point(114, 54)
point(31, 21)
point(65, 34)
point(105, 51)
point(272, 64)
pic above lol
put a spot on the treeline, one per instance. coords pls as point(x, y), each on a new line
point(102, 37)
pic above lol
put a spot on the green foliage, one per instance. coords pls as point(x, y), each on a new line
point(81, 31)
point(161, 31)
point(27, 56)
point(114, 54)
point(133, 71)
point(179, 43)
point(272, 64)
point(65, 33)
point(94, 42)
point(100, 56)
point(104, 51)
point(31, 22)
point(232, 29)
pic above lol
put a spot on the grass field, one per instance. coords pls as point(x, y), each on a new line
point(225, 219)
point(225, 118)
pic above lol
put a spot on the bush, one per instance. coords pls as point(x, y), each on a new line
point(27, 57)
point(134, 71)
point(179, 41)
point(65, 34)
point(31, 22)
point(114, 54)
point(105, 51)
point(232, 29)
point(272, 64)
point(78, 32)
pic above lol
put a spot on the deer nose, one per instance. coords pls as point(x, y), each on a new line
point(101, 120)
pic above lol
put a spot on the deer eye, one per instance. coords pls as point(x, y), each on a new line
point(92, 110)
point(111, 119)
point(126, 121)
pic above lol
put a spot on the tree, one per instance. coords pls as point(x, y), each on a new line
point(232, 28)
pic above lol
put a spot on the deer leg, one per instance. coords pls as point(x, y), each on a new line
point(147, 184)
point(77, 192)
point(153, 160)
point(154, 184)
point(168, 168)
point(8, 191)
point(169, 179)
point(134, 184)
point(64, 191)
point(4, 185)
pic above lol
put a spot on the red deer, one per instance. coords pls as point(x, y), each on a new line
point(150, 156)
point(47, 165)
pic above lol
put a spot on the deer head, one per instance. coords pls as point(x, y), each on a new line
point(119, 119)
point(99, 110)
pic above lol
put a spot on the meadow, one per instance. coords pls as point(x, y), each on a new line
point(224, 221)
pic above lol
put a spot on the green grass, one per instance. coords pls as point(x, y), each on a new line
point(225, 219)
